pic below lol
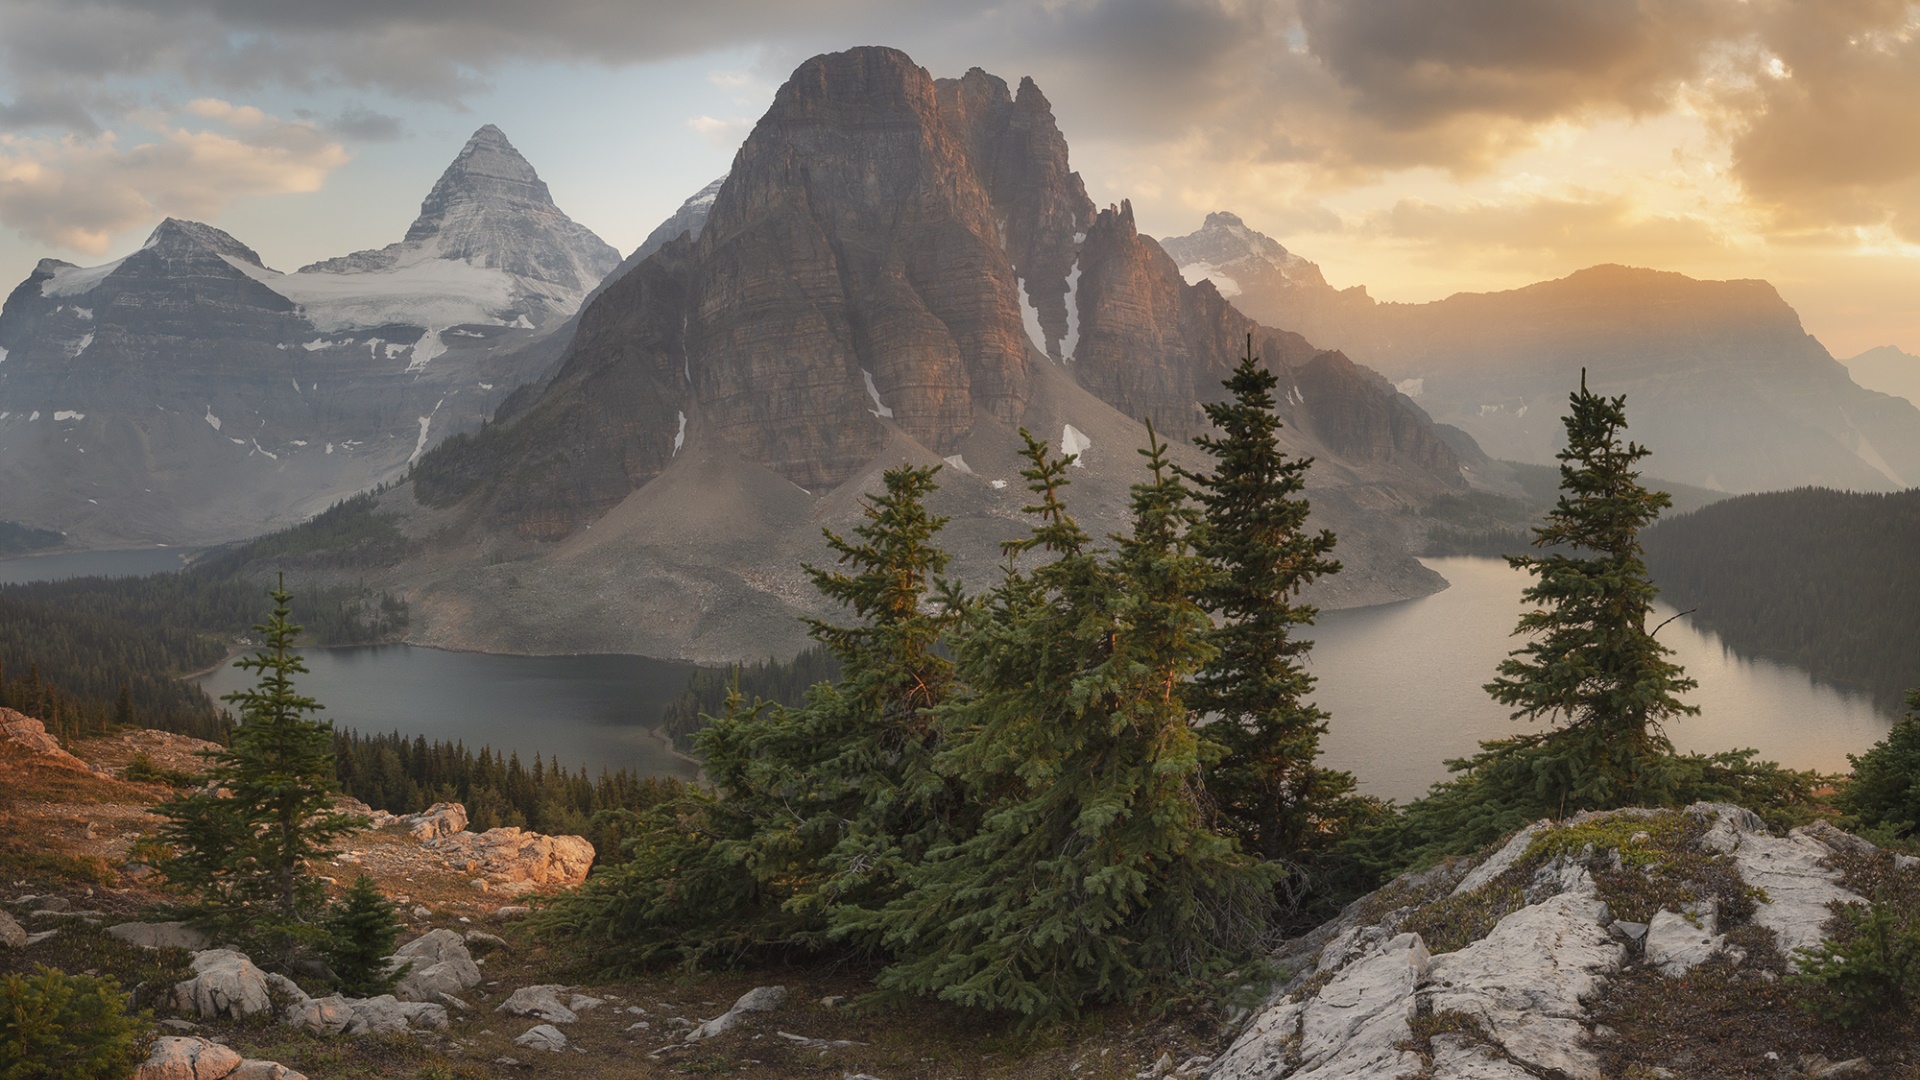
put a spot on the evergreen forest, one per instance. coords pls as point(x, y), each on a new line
point(1824, 580)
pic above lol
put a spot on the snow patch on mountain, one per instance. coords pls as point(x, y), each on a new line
point(1073, 443)
point(1072, 342)
point(77, 280)
point(879, 409)
point(423, 290)
point(1411, 387)
point(212, 420)
point(1030, 317)
point(680, 436)
point(69, 414)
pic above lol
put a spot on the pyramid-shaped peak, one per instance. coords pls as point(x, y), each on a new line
point(487, 172)
point(1225, 218)
point(174, 237)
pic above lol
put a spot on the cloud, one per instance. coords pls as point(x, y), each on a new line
point(725, 134)
point(366, 125)
point(1573, 227)
point(80, 192)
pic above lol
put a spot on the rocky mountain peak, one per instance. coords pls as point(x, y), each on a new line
point(487, 171)
point(1240, 260)
point(174, 238)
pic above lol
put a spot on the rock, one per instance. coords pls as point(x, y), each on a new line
point(25, 732)
point(512, 911)
point(1352, 1027)
point(161, 935)
point(1526, 982)
point(322, 1016)
point(225, 983)
point(541, 1001)
point(441, 966)
point(436, 821)
point(12, 934)
point(1905, 862)
point(177, 1057)
point(510, 856)
point(543, 1037)
point(1677, 943)
point(584, 1003)
point(1629, 932)
point(481, 937)
point(264, 1070)
point(1458, 1058)
point(1798, 887)
point(1825, 832)
point(759, 999)
point(1499, 862)
point(50, 904)
point(1850, 1067)
point(174, 1023)
point(286, 988)
point(35, 939)
point(386, 1015)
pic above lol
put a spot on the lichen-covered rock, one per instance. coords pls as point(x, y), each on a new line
point(1676, 942)
point(388, 1015)
point(1355, 1025)
point(185, 1057)
point(442, 967)
point(1789, 870)
point(225, 983)
point(322, 1016)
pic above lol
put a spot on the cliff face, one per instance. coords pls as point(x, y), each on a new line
point(894, 256)
point(896, 268)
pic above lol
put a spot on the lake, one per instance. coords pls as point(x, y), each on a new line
point(1402, 682)
point(131, 562)
point(588, 710)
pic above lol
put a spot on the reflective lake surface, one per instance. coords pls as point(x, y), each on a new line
point(588, 710)
point(133, 562)
point(1403, 682)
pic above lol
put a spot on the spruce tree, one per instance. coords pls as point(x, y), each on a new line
point(1270, 792)
point(360, 931)
point(1092, 875)
point(242, 845)
point(1593, 666)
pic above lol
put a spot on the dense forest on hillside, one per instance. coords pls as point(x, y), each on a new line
point(1495, 526)
point(1826, 580)
point(18, 539)
point(83, 640)
point(404, 776)
point(785, 682)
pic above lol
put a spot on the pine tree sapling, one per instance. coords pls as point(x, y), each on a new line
point(1593, 665)
point(1884, 793)
point(55, 1026)
point(360, 931)
point(1265, 782)
point(1869, 972)
point(242, 845)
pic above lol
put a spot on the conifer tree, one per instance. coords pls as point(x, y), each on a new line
point(1270, 792)
point(1592, 665)
point(242, 845)
point(1091, 876)
point(360, 931)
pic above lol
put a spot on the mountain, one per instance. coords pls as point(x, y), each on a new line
point(1722, 381)
point(896, 268)
point(189, 394)
point(1888, 369)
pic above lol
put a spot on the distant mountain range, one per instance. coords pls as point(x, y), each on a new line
point(1722, 382)
point(189, 394)
point(1889, 370)
point(896, 269)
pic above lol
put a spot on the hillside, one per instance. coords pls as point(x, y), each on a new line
point(1824, 580)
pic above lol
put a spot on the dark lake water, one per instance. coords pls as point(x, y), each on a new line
point(589, 710)
point(1402, 682)
point(132, 562)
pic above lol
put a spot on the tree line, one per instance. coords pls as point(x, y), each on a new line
point(1821, 579)
point(394, 773)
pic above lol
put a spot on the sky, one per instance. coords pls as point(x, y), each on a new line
point(1417, 147)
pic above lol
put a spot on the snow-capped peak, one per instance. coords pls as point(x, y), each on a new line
point(1231, 255)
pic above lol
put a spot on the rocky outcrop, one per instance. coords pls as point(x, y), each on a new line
point(542, 1002)
point(161, 935)
point(1515, 998)
point(174, 1057)
point(24, 733)
point(12, 934)
point(382, 1015)
point(436, 821)
point(514, 855)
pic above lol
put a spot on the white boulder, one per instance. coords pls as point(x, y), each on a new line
point(224, 983)
point(759, 999)
point(543, 1037)
point(541, 1001)
point(442, 966)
